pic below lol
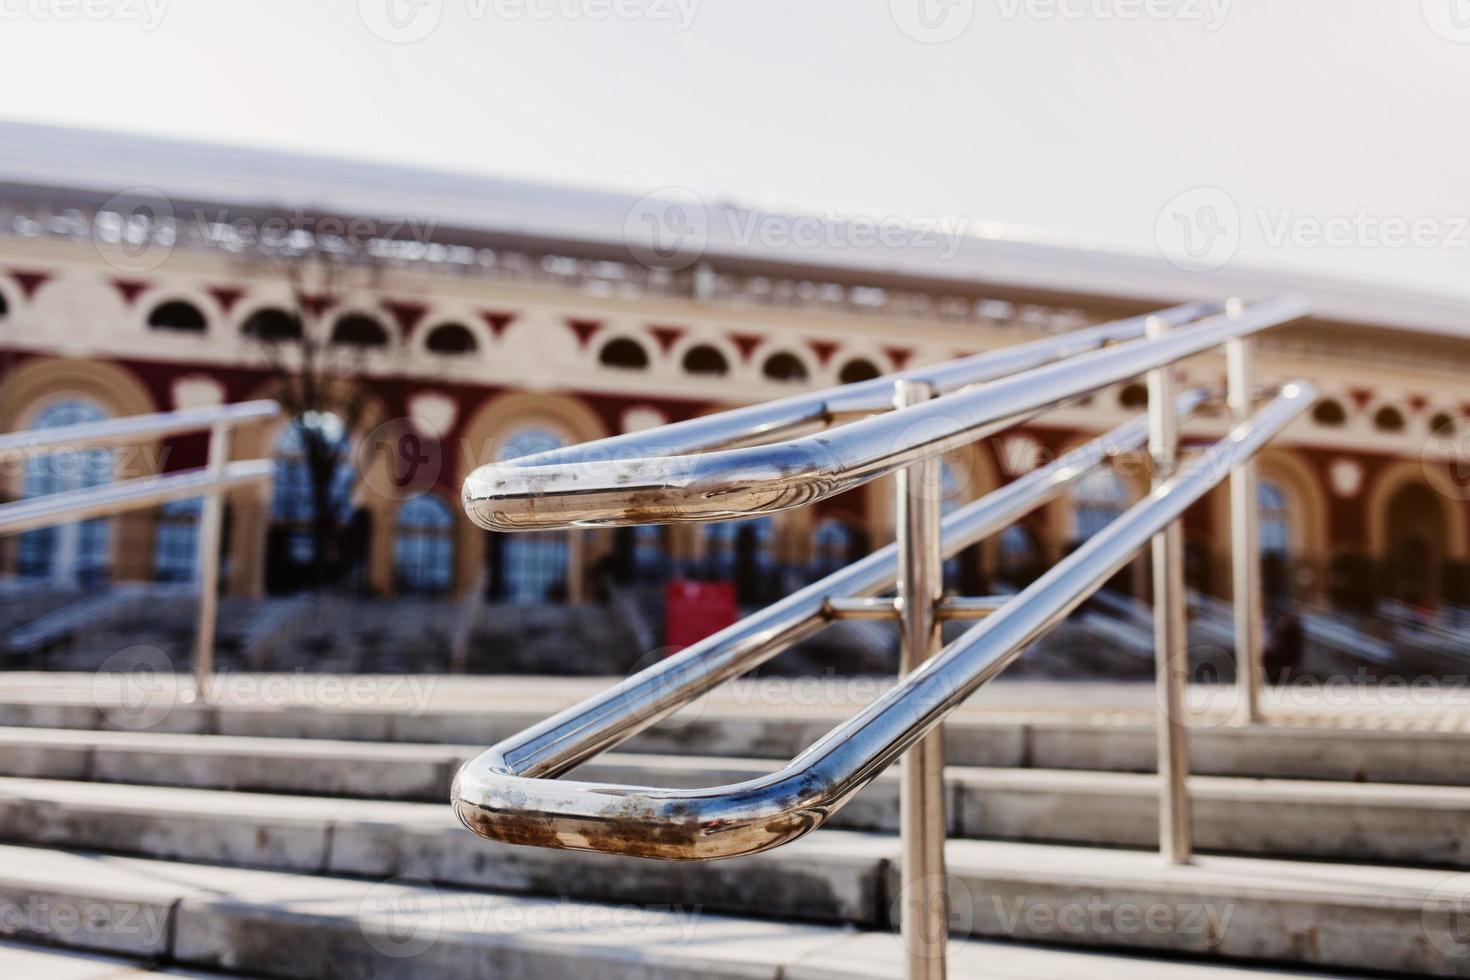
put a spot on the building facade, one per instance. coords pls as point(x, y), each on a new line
point(480, 340)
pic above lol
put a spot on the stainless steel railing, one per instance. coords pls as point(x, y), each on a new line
point(217, 476)
point(671, 475)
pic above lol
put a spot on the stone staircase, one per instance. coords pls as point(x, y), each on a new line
point(306, 835)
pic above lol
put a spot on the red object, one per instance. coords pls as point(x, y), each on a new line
point(695, 610)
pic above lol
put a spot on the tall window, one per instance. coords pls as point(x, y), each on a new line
point(292, 510)
point(175, 540)
point(76, 553)
point(1100, 497)
point(534, 563)
point(1273, 521)
point(423, 548)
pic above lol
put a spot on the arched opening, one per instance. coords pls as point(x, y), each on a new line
point(423, 547)
point(78, 554)
point(1134, 396)
point(1273, 521)
point(1330, 413)
point(785, 368)
point(272, 325)
point(1100, 498)
point(177, 315)
point(529, 567)
point(858, 369)
point(1417, 531)
point(624, 354)
point(1389, 419)
point(705, 359)
point(451, 338)
point(359, 330)
point(4, 307)
point(1442, 424)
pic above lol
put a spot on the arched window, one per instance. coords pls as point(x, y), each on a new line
point(1443, 424)
point(860, 369)
point(533, 564)
point(75, 554)
point(784, 367)
point(623, 353)
point(705, 359)
point(4, 307)
point(1389, 419)
point(293, 509)
point(175, 540)
point(1329, 413)
point(177, 315)
point(272, 324)
point(359, 330)
point(1134, 396)
point(451, 338)
point(1099, 498)
point(1275, 527)
point(423, 547)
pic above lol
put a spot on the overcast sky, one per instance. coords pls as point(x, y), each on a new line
point(1331, 135)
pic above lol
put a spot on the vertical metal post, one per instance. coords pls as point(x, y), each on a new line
point(1171, 640)
point(1245, 544)
point(207, 563)
point(925, 904)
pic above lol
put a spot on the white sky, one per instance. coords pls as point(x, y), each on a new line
point(1077, 125)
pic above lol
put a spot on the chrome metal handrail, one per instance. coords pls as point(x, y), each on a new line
point(494, 800)
point(599, 484)
point(668, 476)
point(209, 482)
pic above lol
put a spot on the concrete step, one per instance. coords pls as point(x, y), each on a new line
point(1407, 824)
point(306, 926)
point(34, 962)
point(1310, 914)
point(1395, 754)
